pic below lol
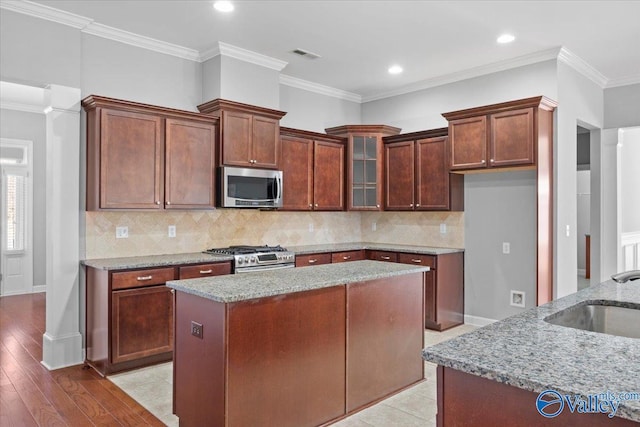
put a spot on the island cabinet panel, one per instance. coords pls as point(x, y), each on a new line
point(288, 369)
point(347, 256)
point(385, 321)
point(190, 165)
point(469, 400)
point(313, 259)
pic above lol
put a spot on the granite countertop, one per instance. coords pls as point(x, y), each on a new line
point(526, 352)
point(246, 286)
point(126, 263)
point(339, 247)
point(154, 261)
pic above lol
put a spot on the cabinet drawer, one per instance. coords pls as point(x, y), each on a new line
point(382, 256)
point(347, 256)
point(205, 270)
point(313, 259)
point(416, 259)
point(138, 278)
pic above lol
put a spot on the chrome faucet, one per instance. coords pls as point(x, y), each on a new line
point(627, 275)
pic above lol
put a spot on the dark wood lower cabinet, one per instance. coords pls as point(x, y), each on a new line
point(302, 359)
point(469, 400)
point(313, 259)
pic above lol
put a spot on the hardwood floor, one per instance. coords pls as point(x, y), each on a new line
point(31, 395)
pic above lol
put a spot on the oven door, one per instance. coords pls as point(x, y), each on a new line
point(250, 188)
point(257, 268)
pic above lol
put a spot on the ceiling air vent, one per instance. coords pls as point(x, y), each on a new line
point(306, 53)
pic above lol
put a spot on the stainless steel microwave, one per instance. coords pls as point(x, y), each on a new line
point(249, 188)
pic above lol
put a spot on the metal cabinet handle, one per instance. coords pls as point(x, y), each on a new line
point(310, 205)
point(168, 202)
point(313, 261)
point(417, 261)
point(410, 205)
point(144, 278)
point(386, 258)
point(377, 206)
point(346, 257)
point(483, 161)
point(157, 202)
point(173, 291)
point(206, 271)
point(491, 160)
point(316, 205)
point(417, 205)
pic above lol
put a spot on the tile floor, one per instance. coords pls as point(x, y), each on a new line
point(152, 388)
point(583, 282)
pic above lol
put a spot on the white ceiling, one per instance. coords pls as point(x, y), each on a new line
point(359, 40)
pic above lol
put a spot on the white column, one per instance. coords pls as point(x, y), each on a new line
point(62, 341)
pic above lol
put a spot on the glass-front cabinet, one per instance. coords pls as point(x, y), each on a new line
point(364, 164)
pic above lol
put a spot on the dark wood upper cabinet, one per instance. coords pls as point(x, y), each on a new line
point(498, 135)
point(146, 157)
point(249, 135)
point(417, 174)
point(313, 171)
point(364, 167)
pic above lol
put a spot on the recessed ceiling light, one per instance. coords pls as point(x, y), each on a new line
point(505, 38)
point(395, 69)
point(223, 6)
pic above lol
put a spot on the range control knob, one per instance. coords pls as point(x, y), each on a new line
point(240, 260)
point(253, 259)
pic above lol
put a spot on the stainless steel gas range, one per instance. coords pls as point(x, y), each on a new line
point(257, 258)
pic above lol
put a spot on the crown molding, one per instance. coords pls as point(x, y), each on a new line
point(495, 67)
point(623, 81)
point(581, 66)
point(245, 55)
point(137, 40)
point(41, 11)
point(19, 97)
point(318, 88)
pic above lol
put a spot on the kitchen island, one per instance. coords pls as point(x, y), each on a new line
point(494, 375)
point(296, 347)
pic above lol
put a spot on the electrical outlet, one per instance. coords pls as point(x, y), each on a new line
point(506, 247)
point(196, 329)
point(374, 226)
point(517, 299)
point(122, 232)
point(310, 227)
point(443, 228)
point(172, 231)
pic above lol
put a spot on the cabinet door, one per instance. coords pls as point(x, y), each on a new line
point(400, 176)
point(142, 323)
point(265, 147)
point(131, 160)
point(328, 176)
point(236, 139)
point(468, 139)
point(189, 167)
point(365, 173)
point(297, 173)
point(432, 181)
point(313, 259)
point(430, 299)
point(511, 141)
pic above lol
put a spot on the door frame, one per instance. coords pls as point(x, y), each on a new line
point(27, 252)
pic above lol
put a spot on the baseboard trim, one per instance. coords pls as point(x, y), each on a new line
point(477, 321)
point(582, 272)
point(61, 352)
point(38, 289)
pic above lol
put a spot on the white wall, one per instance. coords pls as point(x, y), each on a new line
point(580, 102)
point(31, 126)
point(315, 112)
point(583, 201)
point(211, 78)
point(630, 180)
point(622, 106)
point(423, 109)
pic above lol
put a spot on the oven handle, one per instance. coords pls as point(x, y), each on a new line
point(263, 268)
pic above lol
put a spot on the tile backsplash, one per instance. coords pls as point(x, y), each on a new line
point(198, 230)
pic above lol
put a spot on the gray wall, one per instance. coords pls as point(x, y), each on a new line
point(32, 127)
point(622, 106)
point(498, 209)
point(122, 71)
point(630, 180)
point(315, 112)
point(249, 83)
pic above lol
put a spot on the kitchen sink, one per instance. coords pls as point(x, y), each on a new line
point(600, 317)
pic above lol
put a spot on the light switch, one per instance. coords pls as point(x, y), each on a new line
point(122, 232)
point(506, 247)
point(443, 228)
point(172, 231)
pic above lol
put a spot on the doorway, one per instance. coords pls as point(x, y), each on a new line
point(16, 216)
point(583, 207)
